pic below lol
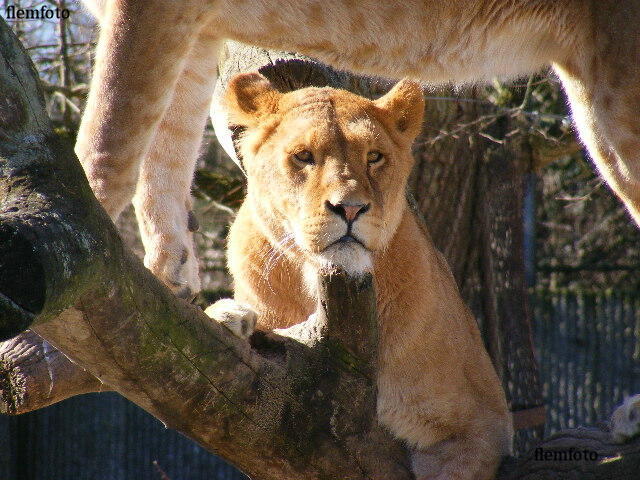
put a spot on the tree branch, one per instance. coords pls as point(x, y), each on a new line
point(564, 455)
point(614, 460)
point(34, 374)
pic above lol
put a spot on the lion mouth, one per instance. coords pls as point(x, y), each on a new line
point(345, 239)
point(348, 253)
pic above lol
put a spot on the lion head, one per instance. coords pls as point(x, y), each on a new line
point(326, 169)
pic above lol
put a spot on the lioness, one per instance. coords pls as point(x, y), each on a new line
point(327, 173)
point(156, 67)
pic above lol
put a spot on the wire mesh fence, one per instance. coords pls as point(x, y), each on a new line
point(588, 345)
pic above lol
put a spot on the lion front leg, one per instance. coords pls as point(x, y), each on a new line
point(163, 195)
point(237, 317)
point(140, 53)
point(143, 123)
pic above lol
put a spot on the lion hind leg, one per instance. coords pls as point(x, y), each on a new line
point(609, 128)
point(603, 87)
point(473, 455)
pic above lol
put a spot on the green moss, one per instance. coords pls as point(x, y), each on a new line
point(345, 360)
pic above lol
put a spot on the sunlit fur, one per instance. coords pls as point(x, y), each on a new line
point(437, 388)
point(155, 68)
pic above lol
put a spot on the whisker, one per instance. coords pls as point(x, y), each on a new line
point(274, 254)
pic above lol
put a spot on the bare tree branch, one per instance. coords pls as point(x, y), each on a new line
point(580, 453)
point(34, 374)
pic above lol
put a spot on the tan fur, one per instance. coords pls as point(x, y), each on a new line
point(146, 49)
point(437, 388)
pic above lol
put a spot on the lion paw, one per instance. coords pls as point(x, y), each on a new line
point(240, 319)
point(625, 421)
point(177, 266)
point(171, 254)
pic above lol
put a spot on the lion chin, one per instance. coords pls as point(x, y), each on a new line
point(349, 256)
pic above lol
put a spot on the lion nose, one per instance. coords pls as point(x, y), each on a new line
point(348, 211)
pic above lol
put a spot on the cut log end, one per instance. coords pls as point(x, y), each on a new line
point(34, 374)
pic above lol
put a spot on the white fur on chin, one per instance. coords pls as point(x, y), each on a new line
point(351, 257)
point(354, 259)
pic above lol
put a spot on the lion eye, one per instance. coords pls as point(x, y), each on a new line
point(374, 157)
point(304, 156)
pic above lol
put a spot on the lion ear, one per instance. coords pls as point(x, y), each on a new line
point(403, 107)
point(248, 98)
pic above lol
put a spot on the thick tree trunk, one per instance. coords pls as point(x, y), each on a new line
point(280, 408)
